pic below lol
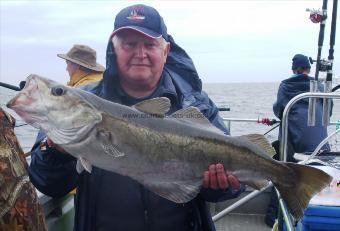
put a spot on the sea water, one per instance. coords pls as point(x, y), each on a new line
point(245, 100)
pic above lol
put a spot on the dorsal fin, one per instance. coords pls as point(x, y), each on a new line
point(156, 106)
point(262, 142)
point(194, 116)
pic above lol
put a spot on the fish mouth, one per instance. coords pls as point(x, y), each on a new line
point(26, 96)
point(24, 103)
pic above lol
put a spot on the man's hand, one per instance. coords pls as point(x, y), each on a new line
point(217, 178)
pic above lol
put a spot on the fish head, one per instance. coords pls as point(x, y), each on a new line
point(56, 109)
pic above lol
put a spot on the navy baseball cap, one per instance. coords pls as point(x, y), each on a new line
point(141, 18)
point(300, 61)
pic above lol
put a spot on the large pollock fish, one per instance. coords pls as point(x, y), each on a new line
point(167, 154)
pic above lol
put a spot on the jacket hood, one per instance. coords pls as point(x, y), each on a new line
point(295, 85)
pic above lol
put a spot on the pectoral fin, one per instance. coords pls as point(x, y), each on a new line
point(83, 164)
point(107, 142)
point(178, 192)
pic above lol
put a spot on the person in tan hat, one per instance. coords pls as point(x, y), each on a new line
point(82, 66)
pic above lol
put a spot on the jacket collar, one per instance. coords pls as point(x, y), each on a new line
point(165, 88)
point(76, 77)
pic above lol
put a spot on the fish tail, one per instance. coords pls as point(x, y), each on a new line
point(308, 182)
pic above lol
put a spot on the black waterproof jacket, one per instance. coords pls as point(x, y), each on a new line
point(302, 137)
point(107, 201)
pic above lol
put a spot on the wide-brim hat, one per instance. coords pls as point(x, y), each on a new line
point(84, 56)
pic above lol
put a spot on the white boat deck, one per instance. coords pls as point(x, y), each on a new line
point(244, 222)
point(247, 217)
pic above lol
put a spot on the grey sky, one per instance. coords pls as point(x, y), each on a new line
point(229, 41)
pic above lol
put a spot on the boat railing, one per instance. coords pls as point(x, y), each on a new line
point(266, 121)
point(59, 212)
point(285, 215)
point(283, 146)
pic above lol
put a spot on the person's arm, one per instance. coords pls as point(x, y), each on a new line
point(52, 172)
point(278, 106)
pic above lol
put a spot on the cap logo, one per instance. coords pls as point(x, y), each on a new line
point(136, 14)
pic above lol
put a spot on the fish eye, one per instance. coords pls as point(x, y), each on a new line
point(58, 91)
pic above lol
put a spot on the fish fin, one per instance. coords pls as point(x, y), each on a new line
point(308, 182)
point(79, 167)
point(262, 142)
point(107, 144)
point(84, 165)
point(156, 106)
point(112, 150)
point(194, 116)
point(178, 192)
point(257, 184)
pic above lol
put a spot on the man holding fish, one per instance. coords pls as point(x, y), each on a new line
point(143, 62)
point(138, 149)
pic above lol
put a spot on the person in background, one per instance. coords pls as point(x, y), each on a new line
point(142, 62)
point(82, 66)
point(301, 137)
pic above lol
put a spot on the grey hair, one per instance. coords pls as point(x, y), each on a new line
point(116, 39)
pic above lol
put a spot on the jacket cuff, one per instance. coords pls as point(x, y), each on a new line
point(50, 155)
point(218, 195)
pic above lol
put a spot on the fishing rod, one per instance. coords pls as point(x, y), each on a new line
point(316, 16)
point(332, 42)
point(328, 66)
point(336, 88)
point(12, 87)
point(271, 129)
point(322, 64)
point(319, 17)
point(9, 86)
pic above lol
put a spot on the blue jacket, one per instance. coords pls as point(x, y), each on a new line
point(302, 137)
point(108, 201)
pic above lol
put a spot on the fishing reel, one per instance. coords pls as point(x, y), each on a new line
point(325, 65)
point(316, 16)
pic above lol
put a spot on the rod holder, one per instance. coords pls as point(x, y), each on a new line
point(326, 112)
point(312, 103)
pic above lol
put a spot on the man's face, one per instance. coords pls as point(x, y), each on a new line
point(71, 68)
point(140, 59)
